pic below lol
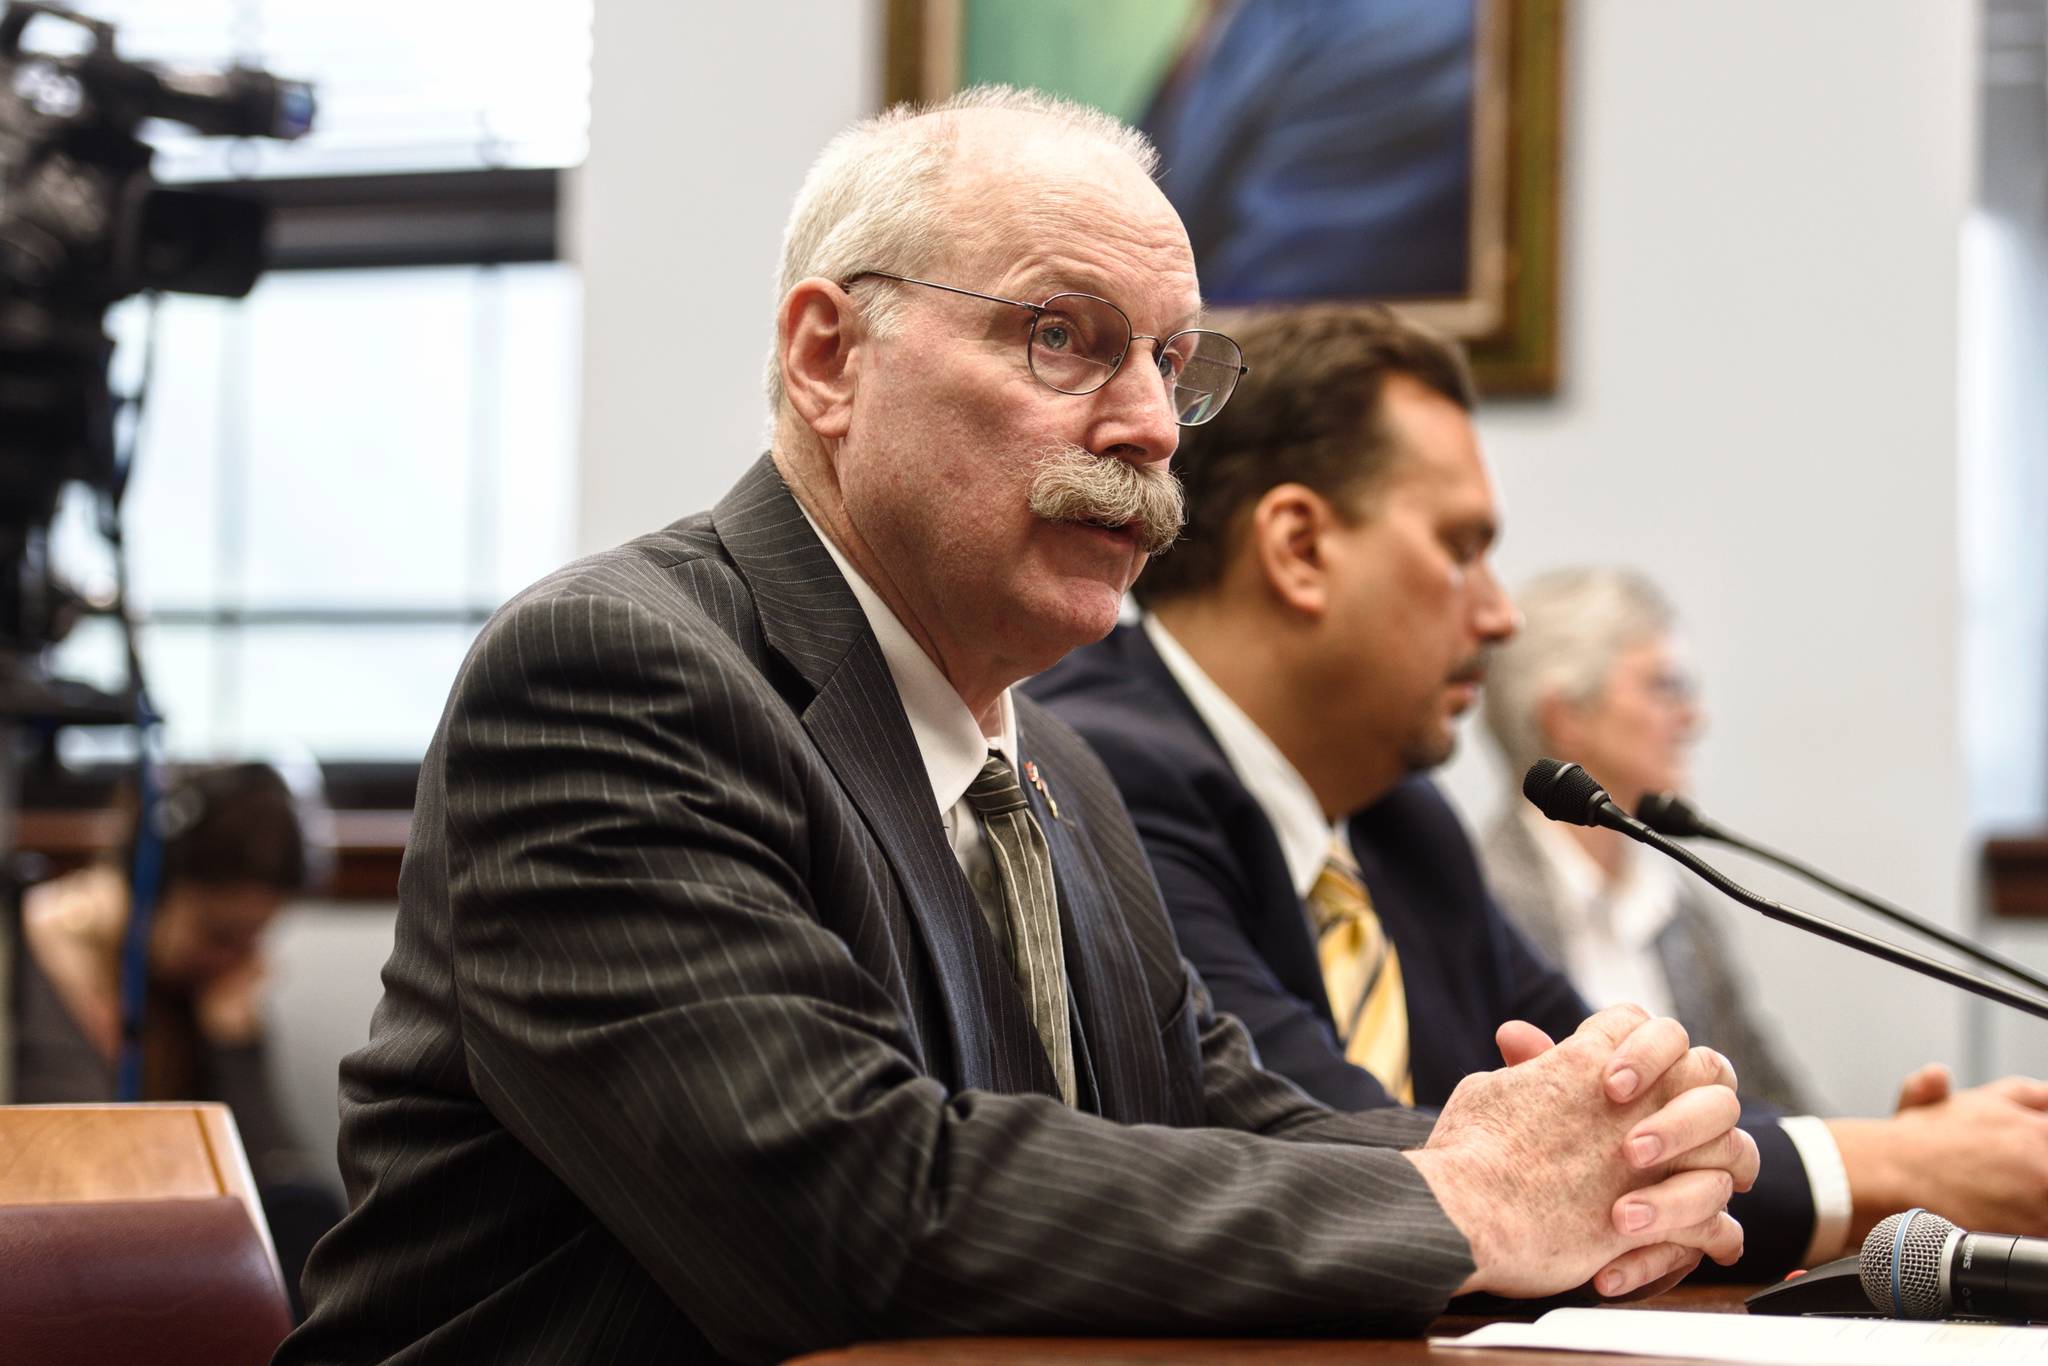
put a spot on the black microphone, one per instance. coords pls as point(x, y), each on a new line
point(1918, 1265)
point(1669, 814)
point(1566, 792)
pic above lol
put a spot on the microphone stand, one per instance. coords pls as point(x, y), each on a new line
point(1899, 916)
point(1606, 813)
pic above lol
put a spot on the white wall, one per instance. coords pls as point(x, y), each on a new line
point(1763, 210)
point(1764, 203)
point(703, 121)
point(2005, 473)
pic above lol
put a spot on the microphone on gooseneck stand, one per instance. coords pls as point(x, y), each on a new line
point(1566, 792)
point(1669, 814)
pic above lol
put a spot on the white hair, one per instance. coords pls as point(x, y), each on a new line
point(876, 197)
point(1575, 624)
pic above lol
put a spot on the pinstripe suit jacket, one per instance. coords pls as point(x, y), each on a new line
point(694, 1041)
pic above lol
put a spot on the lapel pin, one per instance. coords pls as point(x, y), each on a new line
point(1031, 776)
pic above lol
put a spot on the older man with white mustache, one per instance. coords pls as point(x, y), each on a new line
point(770, 976)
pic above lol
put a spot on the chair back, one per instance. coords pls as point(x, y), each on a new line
point(133, 1233)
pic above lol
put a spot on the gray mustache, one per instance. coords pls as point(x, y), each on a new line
point(1070, 485)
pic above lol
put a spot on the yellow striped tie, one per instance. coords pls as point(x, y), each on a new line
point(1362, 974)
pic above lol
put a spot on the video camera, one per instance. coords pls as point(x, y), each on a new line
point(82, 226)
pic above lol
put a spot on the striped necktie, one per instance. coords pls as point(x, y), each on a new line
point(1362, 974)
point(1024, 867)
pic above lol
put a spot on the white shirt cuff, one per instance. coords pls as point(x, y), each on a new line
point(1829, 1178)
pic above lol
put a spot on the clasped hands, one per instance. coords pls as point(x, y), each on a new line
point(1609, 1157)
point(1977, 1157)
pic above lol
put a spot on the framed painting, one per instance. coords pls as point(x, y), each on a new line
point(1401, 151)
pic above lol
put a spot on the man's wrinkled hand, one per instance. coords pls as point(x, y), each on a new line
point(1613, 1153)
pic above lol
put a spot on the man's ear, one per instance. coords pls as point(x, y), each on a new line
point(815, 335)
point(1286, 539)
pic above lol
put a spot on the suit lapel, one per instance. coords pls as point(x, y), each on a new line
point(810, 617)
point(1282, 934)
point(1526, 885)
point(858, 723)
point(808, 614)
point(1690, 988)
point(1116, 1040)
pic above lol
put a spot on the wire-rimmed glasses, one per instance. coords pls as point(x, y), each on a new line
point(1078, 341)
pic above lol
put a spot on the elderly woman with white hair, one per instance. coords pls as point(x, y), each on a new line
point(1596, 677)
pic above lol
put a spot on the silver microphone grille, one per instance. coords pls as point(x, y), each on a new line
point(1916, 1293)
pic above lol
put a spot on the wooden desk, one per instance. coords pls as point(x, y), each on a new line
point(1293, 1351)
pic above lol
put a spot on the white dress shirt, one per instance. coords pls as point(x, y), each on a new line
point(949, 738)
point(1276, 784)
point(1609, 930)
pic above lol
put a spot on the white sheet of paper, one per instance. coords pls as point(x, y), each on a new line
point(1765, 1338)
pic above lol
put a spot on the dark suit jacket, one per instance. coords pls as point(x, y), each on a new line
point(693, 1039)
point(1241, 922)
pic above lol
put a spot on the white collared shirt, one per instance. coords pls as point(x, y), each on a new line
point(949, 738)
point(1275, 783)
point(1609, 930)
point(1609, 927)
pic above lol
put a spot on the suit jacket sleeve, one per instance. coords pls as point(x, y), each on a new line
point(652, 1003)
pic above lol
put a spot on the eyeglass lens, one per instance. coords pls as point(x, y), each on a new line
point(1079, 340)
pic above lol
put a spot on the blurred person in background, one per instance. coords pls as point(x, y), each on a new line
point(1597, 677)
point(234, 850)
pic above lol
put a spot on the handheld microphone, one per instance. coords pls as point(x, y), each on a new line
point(1566, 792)
point(1918, 1265)
point(1670, 814)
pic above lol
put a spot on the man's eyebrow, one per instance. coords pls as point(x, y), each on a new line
point(1036, 289)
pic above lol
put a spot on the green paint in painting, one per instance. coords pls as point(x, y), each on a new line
point(1111, 54)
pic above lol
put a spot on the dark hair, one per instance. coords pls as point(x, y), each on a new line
point(228, 824)
point(1308, 413)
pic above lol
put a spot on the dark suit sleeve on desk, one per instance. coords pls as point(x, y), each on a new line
point(653, 1004)
point(1777, 1214)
